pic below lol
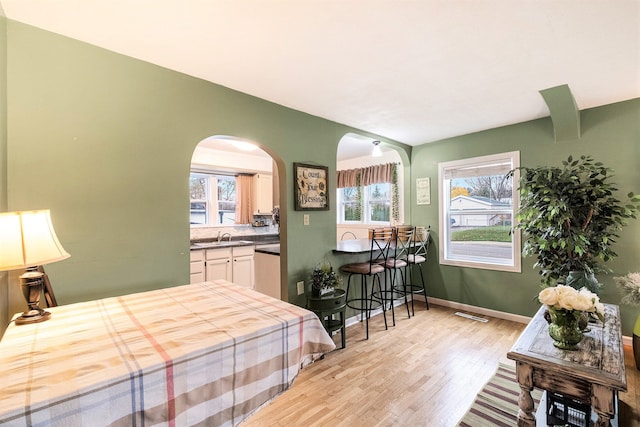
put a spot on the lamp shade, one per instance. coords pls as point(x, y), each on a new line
point(28, 239)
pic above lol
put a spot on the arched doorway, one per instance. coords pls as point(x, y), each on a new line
point(234, 190)
point(374, 201)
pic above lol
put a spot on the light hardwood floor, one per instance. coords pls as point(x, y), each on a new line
point(425, 371)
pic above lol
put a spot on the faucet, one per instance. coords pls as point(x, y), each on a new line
point(221, 237)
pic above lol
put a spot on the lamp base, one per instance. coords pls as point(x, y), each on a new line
point(32, 283)
point(33, 316)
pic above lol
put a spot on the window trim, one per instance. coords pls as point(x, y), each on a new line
point(366, 206)
point(444, 202)
point(212, 202)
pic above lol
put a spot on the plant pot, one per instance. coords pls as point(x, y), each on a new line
point(564, 328)
point(579, 279)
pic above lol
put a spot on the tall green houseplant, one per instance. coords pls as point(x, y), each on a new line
point(570, 217)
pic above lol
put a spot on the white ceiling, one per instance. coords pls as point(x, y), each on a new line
point(413, 71)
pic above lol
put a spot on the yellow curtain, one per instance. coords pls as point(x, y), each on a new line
point(244, 203)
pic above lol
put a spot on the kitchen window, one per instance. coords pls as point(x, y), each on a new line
point(477, 205)
point(212, 199)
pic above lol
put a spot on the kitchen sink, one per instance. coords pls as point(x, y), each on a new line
point(223, 243)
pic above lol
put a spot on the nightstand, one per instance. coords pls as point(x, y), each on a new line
point(326, 306)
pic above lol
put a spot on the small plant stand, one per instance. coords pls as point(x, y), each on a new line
point(328, 306)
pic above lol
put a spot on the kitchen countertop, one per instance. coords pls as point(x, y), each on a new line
point(222, 244)
point(269, 240)
point(272, 249)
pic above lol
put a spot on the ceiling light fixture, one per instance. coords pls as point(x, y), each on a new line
point(377, 152)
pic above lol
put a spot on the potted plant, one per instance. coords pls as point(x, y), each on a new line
point(324, 280)
point(571, 217)
point(566, 307)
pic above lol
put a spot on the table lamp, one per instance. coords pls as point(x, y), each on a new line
point(28, 240)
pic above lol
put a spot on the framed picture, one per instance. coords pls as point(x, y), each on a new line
point(310, 187)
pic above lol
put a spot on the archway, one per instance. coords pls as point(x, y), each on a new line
point(357, 151)
point(223, 170)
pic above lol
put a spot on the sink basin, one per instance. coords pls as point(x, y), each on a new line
point(223, 244)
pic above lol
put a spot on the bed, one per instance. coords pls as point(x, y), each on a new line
point(202, 354)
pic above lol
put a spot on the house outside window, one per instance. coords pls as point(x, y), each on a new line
point(477, 209)
point(212, 199)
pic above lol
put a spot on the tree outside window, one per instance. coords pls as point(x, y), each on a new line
point(373, 199)
point(379, 202)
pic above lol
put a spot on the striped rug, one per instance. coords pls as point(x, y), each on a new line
point(497, 404)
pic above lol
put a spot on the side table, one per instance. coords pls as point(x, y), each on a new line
point(326, 306)
point(591, 375)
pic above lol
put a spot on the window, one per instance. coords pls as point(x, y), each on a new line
point(477, 209)
point(376, 201)
point(349, 201)
point(212, 199)
point(369, 195)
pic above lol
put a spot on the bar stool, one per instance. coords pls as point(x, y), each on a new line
point(419, 257)
point(397, 263)
point(380, 241)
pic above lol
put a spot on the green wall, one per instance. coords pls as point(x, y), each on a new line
point(105, 141)
point(610, 134)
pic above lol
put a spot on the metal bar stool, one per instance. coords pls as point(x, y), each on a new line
point(419, 257)
point(397, 263)
point(380, 242)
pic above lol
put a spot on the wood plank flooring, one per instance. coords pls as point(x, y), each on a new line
point(425, 371)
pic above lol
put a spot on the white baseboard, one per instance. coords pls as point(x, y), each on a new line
point(626, 340)
point(479, 310)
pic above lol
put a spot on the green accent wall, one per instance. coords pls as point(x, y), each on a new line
point(105, 141)
point(611, 134)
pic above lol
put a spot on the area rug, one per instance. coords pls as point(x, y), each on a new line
point(497, 403)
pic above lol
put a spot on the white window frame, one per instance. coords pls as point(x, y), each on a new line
point(366, 206)
point(494, 164)
point(211, 202)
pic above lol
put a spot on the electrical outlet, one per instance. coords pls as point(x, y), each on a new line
point(300, 287)
point(305, 219)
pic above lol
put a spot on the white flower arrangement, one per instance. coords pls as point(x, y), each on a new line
point(629, 287)
point(563, 297)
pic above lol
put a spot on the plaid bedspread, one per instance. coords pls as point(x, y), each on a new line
point(204, 354)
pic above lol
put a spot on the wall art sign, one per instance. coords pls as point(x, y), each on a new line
point(310, 187)
point(423, 191)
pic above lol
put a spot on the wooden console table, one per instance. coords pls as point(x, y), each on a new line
point(593, 374)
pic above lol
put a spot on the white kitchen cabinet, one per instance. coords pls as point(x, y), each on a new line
point(263, 193)
point(234, 264)
point(243, 266)
point(197, 266)
point(218, 264)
